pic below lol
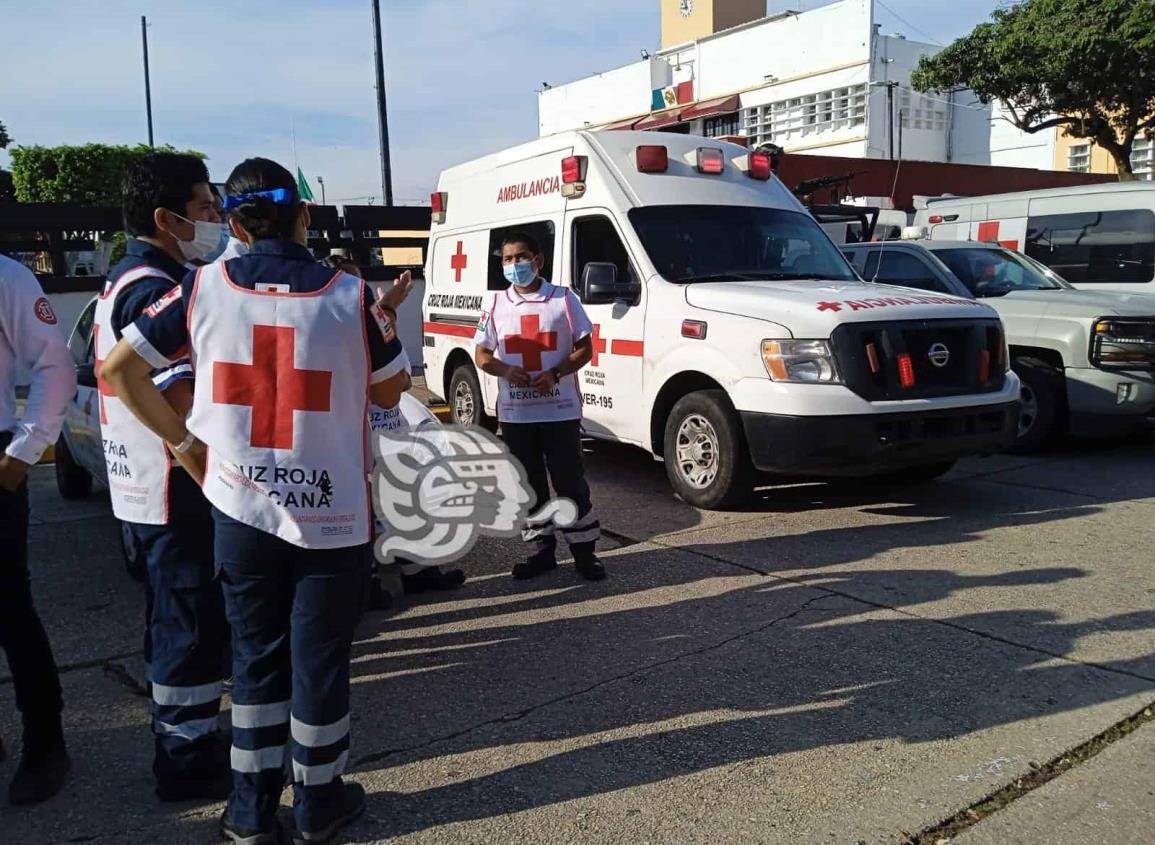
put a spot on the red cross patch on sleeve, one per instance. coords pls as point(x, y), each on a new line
point(483, 323)
point(44, 312)
point(164, 302)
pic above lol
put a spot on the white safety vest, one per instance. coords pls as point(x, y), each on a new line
point(281, 402)
point(138, 462)
point(409, 414)
point(536, 335)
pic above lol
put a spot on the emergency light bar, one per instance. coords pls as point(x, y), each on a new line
point(438, 203)
point(711, 160)
point(653, 158)
point(573, 176)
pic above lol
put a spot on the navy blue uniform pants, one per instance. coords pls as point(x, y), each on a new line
point(556, 448)
point(293, 612)
point(22, 636)
point(186, 636)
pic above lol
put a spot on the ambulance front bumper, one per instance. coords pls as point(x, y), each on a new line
point(871, 444)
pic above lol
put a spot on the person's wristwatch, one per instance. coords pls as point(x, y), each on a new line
point(186, 444)
point(556, 374)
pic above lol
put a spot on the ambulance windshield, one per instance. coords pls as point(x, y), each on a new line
point(726, 243)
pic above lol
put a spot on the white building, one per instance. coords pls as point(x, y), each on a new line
point(825, 81)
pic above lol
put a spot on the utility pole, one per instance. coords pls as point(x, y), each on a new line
point(382, 116)
point(890, 86)
point(321, 182)
point(147, 84)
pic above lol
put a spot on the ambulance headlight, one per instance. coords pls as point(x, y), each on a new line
point(800, 361)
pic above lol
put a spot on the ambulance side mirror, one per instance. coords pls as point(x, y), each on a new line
point(600, 285)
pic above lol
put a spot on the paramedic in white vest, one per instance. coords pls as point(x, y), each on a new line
point(287, 356)
point(32, 346)
point(170, 215)
point(415, 578)
point(534, 338)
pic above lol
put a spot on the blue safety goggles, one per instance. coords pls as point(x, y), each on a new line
point(280, 196)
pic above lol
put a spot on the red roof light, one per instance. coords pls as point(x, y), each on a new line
point(653, 158)
point(761, 167)
point(711, 160)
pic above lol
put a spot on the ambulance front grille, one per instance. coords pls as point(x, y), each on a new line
point(939, 358)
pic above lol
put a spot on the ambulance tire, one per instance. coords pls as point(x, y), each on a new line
point(705, 451)
point(1041, 404)
point(72, 480)
point(466, 404)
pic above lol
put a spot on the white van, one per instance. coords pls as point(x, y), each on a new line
point(730, 334)
point(1094, 236)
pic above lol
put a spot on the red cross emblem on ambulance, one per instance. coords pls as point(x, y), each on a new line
point(459, 261)
point(530, 343)
point(989, 233)
point(272, 386)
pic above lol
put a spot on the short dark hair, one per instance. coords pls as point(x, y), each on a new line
point(158, 180)
point(260, 216)
point(522, 238)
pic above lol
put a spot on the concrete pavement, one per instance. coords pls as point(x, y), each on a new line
point(834, 664)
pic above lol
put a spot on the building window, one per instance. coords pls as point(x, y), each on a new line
point(923, 113)
point(1079, 158)
point(804, 117)
point(721, 126)
point(1143, 159)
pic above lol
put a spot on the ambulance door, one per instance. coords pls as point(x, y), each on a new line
point(611, 384)
point(455, 292)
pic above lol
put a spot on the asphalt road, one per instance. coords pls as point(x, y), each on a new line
point(834, 664)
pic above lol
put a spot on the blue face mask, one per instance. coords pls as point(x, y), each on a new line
point(520, 274)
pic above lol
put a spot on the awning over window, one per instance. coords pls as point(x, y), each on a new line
point(658, 119)
point(710, 108)
point(621, 124)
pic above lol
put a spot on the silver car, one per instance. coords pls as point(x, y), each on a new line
point(80, 449)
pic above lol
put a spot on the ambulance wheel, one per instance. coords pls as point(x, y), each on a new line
point(466, 404)
point(1040, 402)
point(707, 460)
point(72, 480)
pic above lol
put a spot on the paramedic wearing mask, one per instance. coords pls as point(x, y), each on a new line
point(534, 338)
point(171, 217)
point(288, 355)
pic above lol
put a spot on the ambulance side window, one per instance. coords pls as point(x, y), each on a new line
point(596, 239)
point(542, 232)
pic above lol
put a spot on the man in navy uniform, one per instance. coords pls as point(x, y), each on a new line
point(288, 355)
point(170, 214)
point(30, 342)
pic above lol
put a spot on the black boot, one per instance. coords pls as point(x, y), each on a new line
point(40, 775)
point(590, 568)
point(535, 565)
point(432, 578)
point(352, 806)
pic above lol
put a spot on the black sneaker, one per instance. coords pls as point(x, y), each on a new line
point(431, 578)
point(353, 805)
point(533, 567)
point(590, 568)
point(38, 779)
point(273, 836)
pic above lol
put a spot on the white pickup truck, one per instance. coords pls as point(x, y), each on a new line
point(1086, 358)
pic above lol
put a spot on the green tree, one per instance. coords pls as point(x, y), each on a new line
point(5, 138)
point(7, 188)
point(1087, 66)
point(89, 175)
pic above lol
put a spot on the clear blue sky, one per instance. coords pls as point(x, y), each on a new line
point(233, 78)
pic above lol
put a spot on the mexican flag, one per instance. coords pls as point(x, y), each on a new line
point(303, 189)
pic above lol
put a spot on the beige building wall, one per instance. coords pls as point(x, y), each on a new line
point(690, 20)
point(1101, 160)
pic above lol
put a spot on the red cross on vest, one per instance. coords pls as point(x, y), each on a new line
point(531, 342)
point(599, 343)
point(459, 261)
point(272, 386)
point(101, 385)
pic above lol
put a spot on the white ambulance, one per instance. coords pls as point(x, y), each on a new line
point(730, 335)
point(1098, 237)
